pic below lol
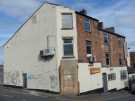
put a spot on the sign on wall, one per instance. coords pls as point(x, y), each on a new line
point(94, 70)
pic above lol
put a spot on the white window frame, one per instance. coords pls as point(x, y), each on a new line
point(123, 74)
point(106, 37)
point(64, 23)
point(112, 77)
point(86, 21)
point(88, 45)
point(72, 55)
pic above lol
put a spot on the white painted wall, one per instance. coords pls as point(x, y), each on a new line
point(130, 75)
point(87, 81)
point(22, 53)
point(65, 33)
point(118, 83)
point(90, 82)
point(128, 60)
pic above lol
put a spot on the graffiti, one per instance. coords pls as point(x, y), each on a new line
point(54, 81)
point(33, 76)
point(29, 76)
point(13, 77)
point(43, 80)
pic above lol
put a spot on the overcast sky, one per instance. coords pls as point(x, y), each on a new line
point(117, 13)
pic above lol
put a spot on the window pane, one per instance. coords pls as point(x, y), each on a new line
point(67, 41)
point(67, 21)
point(88, 47)
point(68, 50)
point(111, 76)
point(68, 47)
point(86, 25)
point(89, 50)
point(106, 39)
point(107, 58)
point(123, 75)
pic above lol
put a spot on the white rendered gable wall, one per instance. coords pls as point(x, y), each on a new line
point(22, 53)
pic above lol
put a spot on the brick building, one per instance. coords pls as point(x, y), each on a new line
point(132, 59)
point(107, 46)
point(66, 51)
point(97, 44)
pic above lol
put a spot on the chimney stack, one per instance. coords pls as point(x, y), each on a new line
point(110, 29)
point(100, 25)
point(83, 11)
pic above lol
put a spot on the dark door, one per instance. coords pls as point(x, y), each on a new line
point(25, 80)
point(105, 83)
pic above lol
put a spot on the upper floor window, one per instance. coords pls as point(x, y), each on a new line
point(120, 60)
point(106, 39)
point(89, 47)
point(68, 47)
point(89, 52)
point(120, 43)
point(86, 25)
point(67, 21)
point(34, 19)
point(107, 58)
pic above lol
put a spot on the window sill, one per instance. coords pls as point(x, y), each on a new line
point(123, 79)
point(87, 31)
point(91, 64)
point(111, 80)
point(68, 57)
point(66, 28)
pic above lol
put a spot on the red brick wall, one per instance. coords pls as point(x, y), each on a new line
point(117, 51)
point(132, 59)
point(94, 36)
point(97, 39)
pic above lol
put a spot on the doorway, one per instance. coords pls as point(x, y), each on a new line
point(105, 83)
point(25, 80)
point(69, 77)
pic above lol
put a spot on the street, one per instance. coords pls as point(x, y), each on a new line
point(16, 94)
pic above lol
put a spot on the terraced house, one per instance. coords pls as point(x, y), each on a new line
point(61, 50)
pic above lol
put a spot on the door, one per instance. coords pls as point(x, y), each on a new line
point(25, 80)
point(69, 84)
point(105, 83)
point(68, 78)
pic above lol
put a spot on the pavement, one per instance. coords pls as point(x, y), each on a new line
point(16, 94)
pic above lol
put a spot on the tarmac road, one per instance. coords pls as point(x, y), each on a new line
point(15, 94)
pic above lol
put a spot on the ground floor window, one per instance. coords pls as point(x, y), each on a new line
point(111, 76)
point(123, 74)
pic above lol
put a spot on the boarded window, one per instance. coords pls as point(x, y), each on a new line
point(34, 19)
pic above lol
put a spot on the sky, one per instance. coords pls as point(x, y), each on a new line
point(117, 13)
